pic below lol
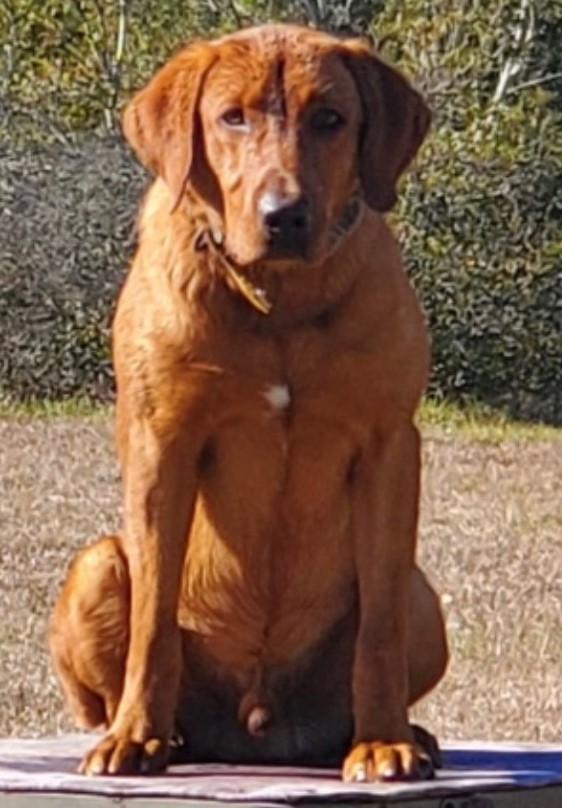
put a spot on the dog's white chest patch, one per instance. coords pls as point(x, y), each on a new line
point(278, 396)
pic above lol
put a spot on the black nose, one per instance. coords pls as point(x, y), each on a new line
point(287, 222)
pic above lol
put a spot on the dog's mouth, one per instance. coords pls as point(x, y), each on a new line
point(213, 239)
point(299, 249)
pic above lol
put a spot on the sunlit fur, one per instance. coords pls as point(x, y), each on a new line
point(281, 539)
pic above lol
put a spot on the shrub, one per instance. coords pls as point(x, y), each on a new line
point(480, 219)
point(67, 219)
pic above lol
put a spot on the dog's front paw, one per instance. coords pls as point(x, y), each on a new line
point(117, 753)
point(370, 761)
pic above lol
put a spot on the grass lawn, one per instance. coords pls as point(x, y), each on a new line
point(490, 539)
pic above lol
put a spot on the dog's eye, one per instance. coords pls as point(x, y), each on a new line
point(234, 118)
point(327, 120)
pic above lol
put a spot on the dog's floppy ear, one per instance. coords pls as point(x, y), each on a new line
point(395, 122)
point(160, 122)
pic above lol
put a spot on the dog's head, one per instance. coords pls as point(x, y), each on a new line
point(279, 129)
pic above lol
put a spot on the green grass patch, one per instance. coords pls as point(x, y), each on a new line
point(63, 408)
point(435, 418)
point(479, 422)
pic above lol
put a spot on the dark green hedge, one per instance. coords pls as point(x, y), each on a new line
point(484, 247)
point(67, 222)
point(483, 255)
point(480, 219)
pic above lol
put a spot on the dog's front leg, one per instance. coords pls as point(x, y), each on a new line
point(385, 510)
point(160, 486)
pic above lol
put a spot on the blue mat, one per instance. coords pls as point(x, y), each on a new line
point(48, 766)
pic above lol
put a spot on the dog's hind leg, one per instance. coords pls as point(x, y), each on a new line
point(89, 633)
point(428, 653)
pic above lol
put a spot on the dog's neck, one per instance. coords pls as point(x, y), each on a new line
point(211, 238)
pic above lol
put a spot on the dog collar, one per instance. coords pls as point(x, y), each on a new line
point(256, 296)
point(213, 240)
point(349, 218)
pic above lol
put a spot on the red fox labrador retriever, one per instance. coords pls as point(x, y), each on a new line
point(262, 603)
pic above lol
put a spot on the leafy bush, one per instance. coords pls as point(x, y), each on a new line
point(67, 218)
point(485, 258)
point(480, 219)
point(69, 65)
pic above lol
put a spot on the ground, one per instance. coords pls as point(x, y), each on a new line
point(490, 540)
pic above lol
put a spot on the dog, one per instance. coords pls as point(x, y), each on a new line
point(262, 603)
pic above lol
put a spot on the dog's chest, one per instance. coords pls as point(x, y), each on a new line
point(285, 441)
point(278, 396)
point(269, 565)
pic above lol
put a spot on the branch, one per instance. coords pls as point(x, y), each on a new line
point(102, 54)
point(121, 32)
point(534, 82)
point(115, 73)
point(514, 63)
point(314, 10)
point(238, 15)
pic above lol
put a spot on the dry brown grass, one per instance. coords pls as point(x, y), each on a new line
point(491, 539)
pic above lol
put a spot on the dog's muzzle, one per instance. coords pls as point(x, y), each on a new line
point(287, 224)
point(210, 239)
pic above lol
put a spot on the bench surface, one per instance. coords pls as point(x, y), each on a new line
point(40, 773)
